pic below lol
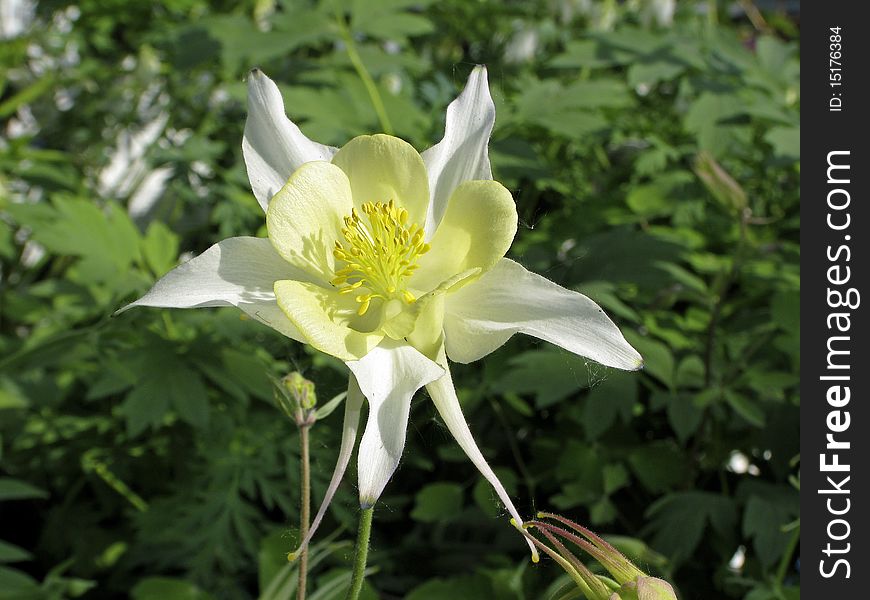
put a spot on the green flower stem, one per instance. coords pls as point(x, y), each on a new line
point(305, 508)
point(365, 76)
point(362, 553)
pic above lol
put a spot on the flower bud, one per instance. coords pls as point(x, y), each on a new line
point(301, 389)
point(297, 398)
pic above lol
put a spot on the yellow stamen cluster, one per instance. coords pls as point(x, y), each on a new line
point(378, 256)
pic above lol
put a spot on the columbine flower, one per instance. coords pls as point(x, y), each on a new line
point(391, 261)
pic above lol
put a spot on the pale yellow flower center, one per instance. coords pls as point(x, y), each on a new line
point(378, 256)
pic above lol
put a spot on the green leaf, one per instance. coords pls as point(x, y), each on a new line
point(463, 587)
point(745, 407)
point(15, 489)
point(657, 358)
point(145, 406)
point(160, 248)
point(243, 44)
point(614, 397)
point(389, 19)
point(188, 396)
point(678, 521)
point(590, 53)
point(551, 375)
point(659, 466)
point(785, 309)
point(437, 502)
point(615, 478)
point(249, 371)
point(650, 200)
point(15, 585)
point(690, 372)
point(683, 415)
point(651, 73)
point(786, 142)
point(598, 93)
point(570, 111)
point(12, 553)
point(27, 95)
point(773, 53)
point(11, 396)
point(705, 118)
point(106, 252)
point(769, 509)
point(166, 588)
point(763, 521)
point(167, 381)
point(7, 240)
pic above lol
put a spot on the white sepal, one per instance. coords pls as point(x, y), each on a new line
point(273, 146)
point(239, 272)
point(388, 376)
point(462, 153)
point(509, 299)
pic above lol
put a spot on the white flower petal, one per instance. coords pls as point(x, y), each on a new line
point(443, 395)
point(352, 407)
point(273, 146)
point(462, 154)
point(389, 376)
point(237, 272)
point(509, 299)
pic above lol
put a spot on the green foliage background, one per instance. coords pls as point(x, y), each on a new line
point(655, 168)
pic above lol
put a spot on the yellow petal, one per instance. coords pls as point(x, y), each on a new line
point(477, 230)
point(383, 168)
point(324, 318)
point(304, 218)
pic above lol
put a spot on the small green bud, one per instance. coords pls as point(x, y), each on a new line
point(295, 395)
point(301, 389)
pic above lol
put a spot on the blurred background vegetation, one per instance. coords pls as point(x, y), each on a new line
point(653, 151)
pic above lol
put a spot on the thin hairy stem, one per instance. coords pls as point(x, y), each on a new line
point(304, 509)
point(362, 553)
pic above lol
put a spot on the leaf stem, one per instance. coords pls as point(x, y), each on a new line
point(784, 563)
point(362, 553)
point(364, 75)
point(304, 509)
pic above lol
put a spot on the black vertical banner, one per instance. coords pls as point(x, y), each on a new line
point(835, 225)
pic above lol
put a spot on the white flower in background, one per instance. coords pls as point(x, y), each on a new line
point(15, 17)
point(393, 262)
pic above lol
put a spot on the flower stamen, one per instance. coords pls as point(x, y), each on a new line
point(378, 256)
